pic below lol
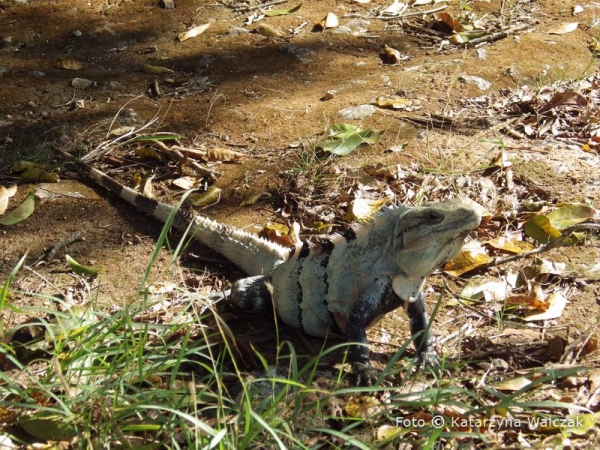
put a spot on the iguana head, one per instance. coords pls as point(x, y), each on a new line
point(428, 236)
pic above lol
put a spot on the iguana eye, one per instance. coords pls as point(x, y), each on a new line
point(434, 218)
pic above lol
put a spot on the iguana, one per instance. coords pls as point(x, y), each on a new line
point(340, 284)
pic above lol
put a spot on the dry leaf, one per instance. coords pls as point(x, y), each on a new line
point(564, 28)
point(362, 407)
point(330, 21)
point(390, 55)
point(120, 131)
point(393, 103)
point(69, 64)
point(223, 154)
point(472, 256)
point(278, 233)
point(386, 432)
point(447, 19)
point(147, 152)
point(486, 289)
point(149, 68)
point(254, 197)
point(395, 9)
point(511, 244)
point(5, 194)
point(147, 187)
point(186, 183)
point(193, 32)
point(362, 209)
point(512, 384)
point(22, 166)
point(378, 171)
point(210, 197)
point(556, 306)
point(38, 175)
point(267, 30)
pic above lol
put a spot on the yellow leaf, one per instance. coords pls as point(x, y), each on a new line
point(69, 64)
point(147, 189)
point(512, 384)
point(362, 407)
point(22, 166)
point(511, 245)
point(147, 152)
point(223, 154)
point(211, 196)
point(149, 68)
point(362, 209)
point(39, 175)
point(267, 31)
point(193, 32)
point(470, 258)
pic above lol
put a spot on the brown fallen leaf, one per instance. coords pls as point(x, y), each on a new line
point(267, 30)
point(149, 68)
point(223, 154)
point(69, 64)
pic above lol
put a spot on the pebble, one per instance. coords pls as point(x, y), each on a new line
point(482, 84)
point(357, 112)
point(77, 33)
point(36, 73)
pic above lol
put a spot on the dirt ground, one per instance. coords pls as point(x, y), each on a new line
point(267, 98)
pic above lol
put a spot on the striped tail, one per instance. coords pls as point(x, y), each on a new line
point(252, 254)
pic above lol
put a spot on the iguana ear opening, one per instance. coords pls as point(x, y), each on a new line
point(407, 288)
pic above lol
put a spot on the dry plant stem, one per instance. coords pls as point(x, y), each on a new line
point(184, 160)
point(496, 36)
point(264, 5)
point(557, 242)
point(68, 240)
point(402, 16)
point(570, 352)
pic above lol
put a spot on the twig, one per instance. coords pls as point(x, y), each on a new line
point(402, 16)
point(264, 5)
point(50, 254)
point(554, 243)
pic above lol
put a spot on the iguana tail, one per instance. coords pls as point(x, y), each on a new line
point(252, 254)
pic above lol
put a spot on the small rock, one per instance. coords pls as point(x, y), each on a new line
point(477, 81)
point(45, 114)
point(236, 31)
point(304, 54)
point(77, 33)
point(357, 112)
point(167, 4)
point(482, 54)
point(36, 73)
point(341, 30)
point(328, 95)
point(82, 83)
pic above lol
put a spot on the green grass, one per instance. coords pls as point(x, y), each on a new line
point(131, 379)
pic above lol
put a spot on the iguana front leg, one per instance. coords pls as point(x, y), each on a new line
point(375, 301)
point(419, 323)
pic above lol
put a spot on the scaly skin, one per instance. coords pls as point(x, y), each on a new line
point(341, 284)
